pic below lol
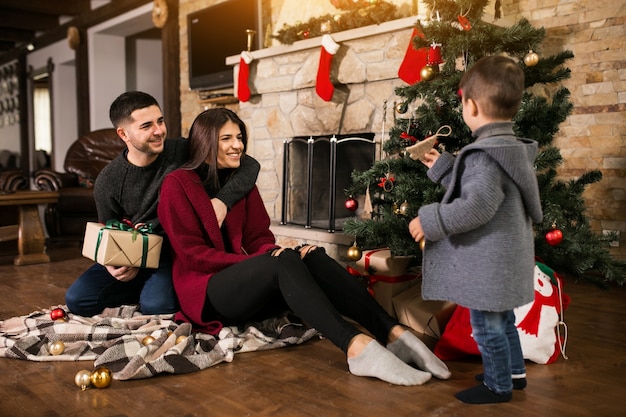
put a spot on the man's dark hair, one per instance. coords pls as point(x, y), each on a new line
point(123, 106)
point(497, 83)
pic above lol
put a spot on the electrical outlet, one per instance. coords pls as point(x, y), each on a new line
point(612, 243)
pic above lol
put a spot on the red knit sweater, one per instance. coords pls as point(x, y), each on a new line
point(199, 250)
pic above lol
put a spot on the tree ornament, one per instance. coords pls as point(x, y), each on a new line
point(180, 338)
point(434, 54)
point(531, 59)
point(402, 107)
point(56, 348)
point(395, 208)
point(554, 236)
point(58, 314)
point(422, 244)
point(354, 253)
point(404, 208)
point(351, 204)
point(429, 72)
point(147, 340)
point(82, 379)
point(101, 377)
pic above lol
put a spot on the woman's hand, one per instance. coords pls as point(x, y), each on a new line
point(122, 273)
point(220, 209)
point(277, 251)
point(305, 249)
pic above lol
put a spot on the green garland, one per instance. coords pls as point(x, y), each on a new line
point(362, 13)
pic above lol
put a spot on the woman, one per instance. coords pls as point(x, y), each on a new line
point(233, 273)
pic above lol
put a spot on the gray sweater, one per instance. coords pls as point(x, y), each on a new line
point(479, 249)
point(125, 190)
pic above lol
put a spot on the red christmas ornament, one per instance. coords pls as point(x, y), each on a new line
point(352, 204)
point(554, 237)
point(57, 313)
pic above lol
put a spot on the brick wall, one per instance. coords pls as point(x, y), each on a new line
point(594, 136)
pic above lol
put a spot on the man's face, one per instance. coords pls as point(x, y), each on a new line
point(144, 135)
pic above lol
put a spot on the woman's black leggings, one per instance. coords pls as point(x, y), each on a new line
point(316, 289)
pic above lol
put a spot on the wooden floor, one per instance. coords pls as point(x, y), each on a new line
point(311, 379)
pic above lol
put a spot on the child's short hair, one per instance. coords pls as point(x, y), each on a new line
point(497, 83)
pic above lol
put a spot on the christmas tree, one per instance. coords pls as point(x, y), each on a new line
point(453, 38)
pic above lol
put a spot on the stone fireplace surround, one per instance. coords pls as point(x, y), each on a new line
point(284, 105)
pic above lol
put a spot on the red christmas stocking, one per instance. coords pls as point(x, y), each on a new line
point(324, 86)
point(413, 62)
point(243, 89)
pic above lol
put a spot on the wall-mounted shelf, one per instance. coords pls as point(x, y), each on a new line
point(220, 99)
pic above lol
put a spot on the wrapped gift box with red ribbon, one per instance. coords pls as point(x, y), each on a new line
point(387, 275)
point(118, 244)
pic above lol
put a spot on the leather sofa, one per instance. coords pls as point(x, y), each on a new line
point(84, 160)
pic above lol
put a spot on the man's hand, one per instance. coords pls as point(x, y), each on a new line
point(123, 273)
point(415, 229)
point(221, 210)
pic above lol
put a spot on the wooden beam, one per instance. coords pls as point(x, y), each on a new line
point(70, 8)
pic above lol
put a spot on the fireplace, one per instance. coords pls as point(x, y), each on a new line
point(316, 171)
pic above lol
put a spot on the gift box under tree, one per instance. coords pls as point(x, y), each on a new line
point(387, 275)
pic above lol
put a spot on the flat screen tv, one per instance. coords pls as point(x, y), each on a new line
point(216, 33)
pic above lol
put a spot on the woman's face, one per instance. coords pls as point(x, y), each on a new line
point(230, 146)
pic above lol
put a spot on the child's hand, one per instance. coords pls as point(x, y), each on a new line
point(430, 157)
point(415, 229)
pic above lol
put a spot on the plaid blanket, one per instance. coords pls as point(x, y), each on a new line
point(114, 339)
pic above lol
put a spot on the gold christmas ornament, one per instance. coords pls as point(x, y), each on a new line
point(531, 59)
point(147, 340)
point(56, 348)
point(82, 379)
point(404, 208)
point(180, 338)
point(422, 244)
point(396, 209)
point(354, 253)
point(428, 72)
point(401, 108)
point(101, 377)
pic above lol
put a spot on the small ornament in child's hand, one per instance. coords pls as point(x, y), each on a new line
point(57, 314)
point(554, 237)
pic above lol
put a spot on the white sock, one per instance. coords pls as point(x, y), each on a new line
point(378, 362)
point(411, 349)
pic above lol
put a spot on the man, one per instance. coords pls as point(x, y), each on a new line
point(128, 188)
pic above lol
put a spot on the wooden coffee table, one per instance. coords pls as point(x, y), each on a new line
point(31, 238)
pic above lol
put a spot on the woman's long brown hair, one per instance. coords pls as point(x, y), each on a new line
point(204, 138)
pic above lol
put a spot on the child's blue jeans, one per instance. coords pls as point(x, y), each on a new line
point(498, 341)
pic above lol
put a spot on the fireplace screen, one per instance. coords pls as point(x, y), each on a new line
point(316, 171)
